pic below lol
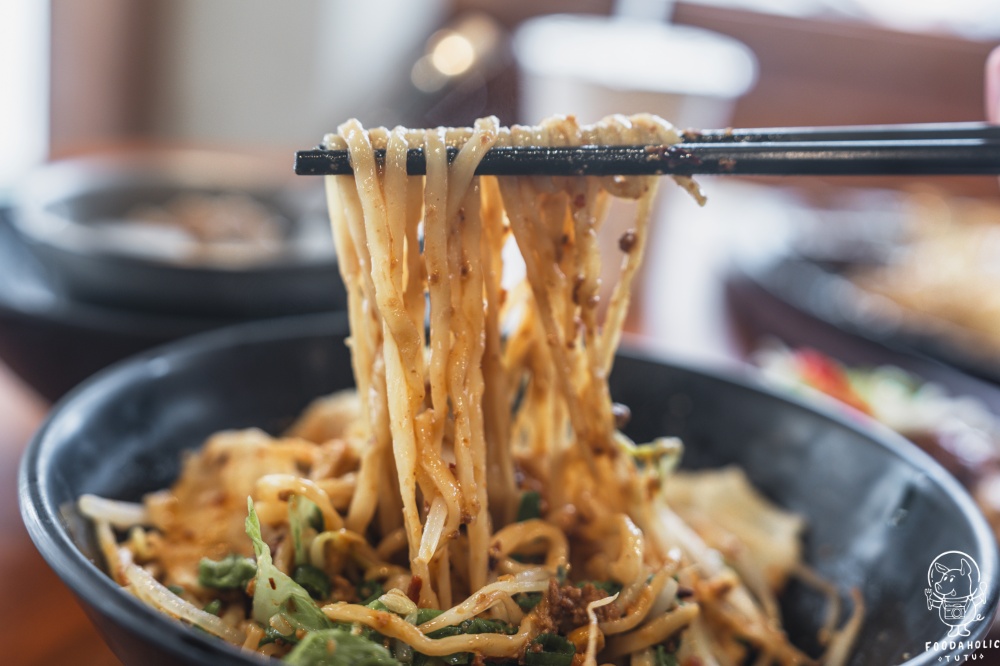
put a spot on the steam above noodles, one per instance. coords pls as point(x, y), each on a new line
point(473, 499)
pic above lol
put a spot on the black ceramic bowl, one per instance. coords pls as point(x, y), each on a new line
point(54, 341)
point(78, 218)
point(879, 510)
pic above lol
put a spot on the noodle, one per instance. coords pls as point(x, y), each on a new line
point(473, 499)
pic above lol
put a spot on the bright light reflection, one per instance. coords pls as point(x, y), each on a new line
point(453, 55)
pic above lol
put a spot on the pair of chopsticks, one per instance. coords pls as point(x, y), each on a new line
point(927, 149)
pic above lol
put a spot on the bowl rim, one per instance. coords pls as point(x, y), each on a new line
point(58, 308)
point(92, 584)
point(196, 168)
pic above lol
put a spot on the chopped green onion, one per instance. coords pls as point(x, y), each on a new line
point(471, 626)
point(214, 607)
point(529, 559)
point(427, 614)
point(302, 514)
point(316, 518)
point(607, 586)
point(663, 658)
point(369, 591)
point(528, 600)
point(176, 589)
point(272, 635)
point(530, 506)
point(555, 650)
point(478, 625)
point(232, 572)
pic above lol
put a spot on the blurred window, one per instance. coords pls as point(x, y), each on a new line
point(973, 19)
point(24, 82)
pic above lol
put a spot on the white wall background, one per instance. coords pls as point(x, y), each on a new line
point(283, 72)
point(24, 91)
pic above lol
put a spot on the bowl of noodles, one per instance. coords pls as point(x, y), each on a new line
point(499, 487)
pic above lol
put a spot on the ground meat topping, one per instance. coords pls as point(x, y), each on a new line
point(564, 607)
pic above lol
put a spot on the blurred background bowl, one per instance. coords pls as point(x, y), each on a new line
point(53, 341)
point(123, 434)
point(107, 254)
point(182, 232)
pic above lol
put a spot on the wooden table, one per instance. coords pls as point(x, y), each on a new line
point(40, 620)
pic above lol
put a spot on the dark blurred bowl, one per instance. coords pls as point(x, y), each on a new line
point(53, 341)
point(879, 511)
point(812, 301)
point(72, 214)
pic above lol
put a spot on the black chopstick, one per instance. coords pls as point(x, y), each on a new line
point(906, 132)
point(954, 149)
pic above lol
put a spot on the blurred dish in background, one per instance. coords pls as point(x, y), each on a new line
point(945, 276)
point(884, 267)
point(222, 229)
point(188, 232)
point(957, 431)
point(107, 255)
point(53, 341)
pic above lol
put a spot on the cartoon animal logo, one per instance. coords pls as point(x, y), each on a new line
point(956, 591)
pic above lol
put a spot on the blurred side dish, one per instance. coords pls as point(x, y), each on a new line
point(957, 431)
point(946, 277)
point(203, 227)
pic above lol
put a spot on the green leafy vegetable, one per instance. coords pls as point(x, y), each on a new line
point(427, 614)
point(315, 517)
point(272, 635)
point(530, 506)
point(661, 657)
point(276, 593)
point(478, 625)
point(662, 454)
point(313, 580)
point(549, 650)
point(369, 591)
point(529, 559)
point(607, 586)
point(231, 572)
point(471, 626)
point(302, 514)
point(338, 647)
point(474, 625)
point(528, 600)
point(214, 607)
